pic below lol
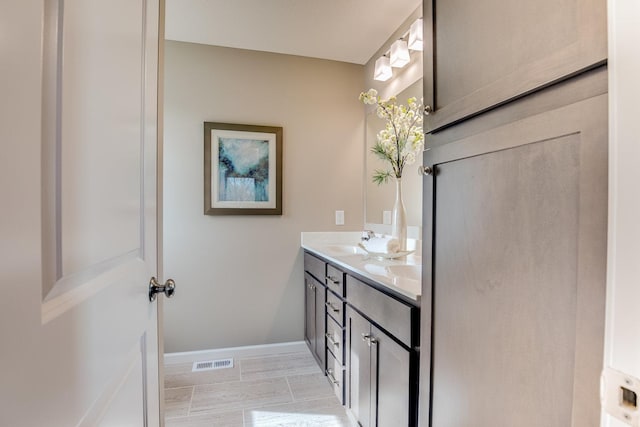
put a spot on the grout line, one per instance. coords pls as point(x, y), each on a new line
point(193, 391)
point(244, 418)
point(203, 384)
point(179, 387)
point(286, 378)
point(269, 356)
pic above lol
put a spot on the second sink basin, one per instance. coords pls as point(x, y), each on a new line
point(413, 272)
point(338, 250)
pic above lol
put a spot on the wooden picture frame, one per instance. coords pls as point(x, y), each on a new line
point(242, 169)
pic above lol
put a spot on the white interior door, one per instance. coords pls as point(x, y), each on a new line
point(622, 337)
point(78, 245)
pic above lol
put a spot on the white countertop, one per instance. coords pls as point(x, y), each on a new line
point(341, 248)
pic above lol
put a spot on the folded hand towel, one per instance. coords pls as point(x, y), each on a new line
point(382, 245)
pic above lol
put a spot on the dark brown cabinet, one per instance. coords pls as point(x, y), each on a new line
point(324, 319)
point(370, 340)
point(381, 352)
point(335, 307)
point(314, 301)
point(378, 371)
point(314, 325)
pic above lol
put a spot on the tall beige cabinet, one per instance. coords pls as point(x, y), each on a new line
point(515, 213)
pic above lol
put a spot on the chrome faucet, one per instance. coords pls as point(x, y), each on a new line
point(367, 235)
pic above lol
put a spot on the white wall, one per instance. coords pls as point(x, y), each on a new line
point(239, 278)
point(622, 336)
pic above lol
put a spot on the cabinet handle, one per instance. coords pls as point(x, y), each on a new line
point(369, 339)
point(332, 280)
point(333, 379)
point(332, 307)
point(425, 170)
point(330, 339)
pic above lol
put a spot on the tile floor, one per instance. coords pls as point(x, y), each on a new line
point(277, 390)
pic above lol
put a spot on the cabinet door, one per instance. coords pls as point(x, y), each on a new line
point(320, 322)
point(310, 312)
point(359, 368)
point(486, 53)
point(391, 383)
point(519, 272)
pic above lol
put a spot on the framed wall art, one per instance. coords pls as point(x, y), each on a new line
point(242, 169)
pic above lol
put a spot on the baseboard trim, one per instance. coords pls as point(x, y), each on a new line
point(235, 352)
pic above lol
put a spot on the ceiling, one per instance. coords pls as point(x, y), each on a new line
point(340, 30)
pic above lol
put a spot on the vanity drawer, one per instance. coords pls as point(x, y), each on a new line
point(335, 280)
point(335, 375)
point(335, 308)
point(315, 266)
point(335, 340)
point(391, 314)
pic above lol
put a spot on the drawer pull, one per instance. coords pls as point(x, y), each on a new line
point(333, 379)
point(332, 307)
point(369, 339)
point(331, 340)
point(332, 280)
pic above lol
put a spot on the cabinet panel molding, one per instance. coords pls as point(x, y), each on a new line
point(517, 280)
point(485, 54)
point(391, 314)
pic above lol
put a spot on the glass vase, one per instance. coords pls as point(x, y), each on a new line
point(399, 218)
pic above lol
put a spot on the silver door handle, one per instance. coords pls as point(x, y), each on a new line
point(168, 289)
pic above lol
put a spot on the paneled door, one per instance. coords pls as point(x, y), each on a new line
point(482, 54)
point(78, 246)
point(517, 280)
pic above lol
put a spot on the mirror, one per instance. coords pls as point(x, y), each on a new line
point(380, 198)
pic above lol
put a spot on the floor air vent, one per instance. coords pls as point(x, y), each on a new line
point(209, 365)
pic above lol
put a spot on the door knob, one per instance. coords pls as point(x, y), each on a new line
point(425, 170)
point(169, 288)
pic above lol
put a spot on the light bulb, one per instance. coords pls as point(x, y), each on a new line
point(415, 35)
point(382, 70)
point(399, 54)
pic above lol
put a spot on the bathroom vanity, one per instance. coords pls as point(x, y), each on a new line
point(362, 319)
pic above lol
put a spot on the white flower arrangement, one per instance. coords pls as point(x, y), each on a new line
point(402, 138)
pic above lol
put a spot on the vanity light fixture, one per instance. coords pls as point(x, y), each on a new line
point(415, 35)
point(399, 54)
point(382, 70)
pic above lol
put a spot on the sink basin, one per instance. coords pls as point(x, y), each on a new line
point(343, 250)
point(413, 272)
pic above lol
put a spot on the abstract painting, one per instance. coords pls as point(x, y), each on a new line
point(243, 168)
